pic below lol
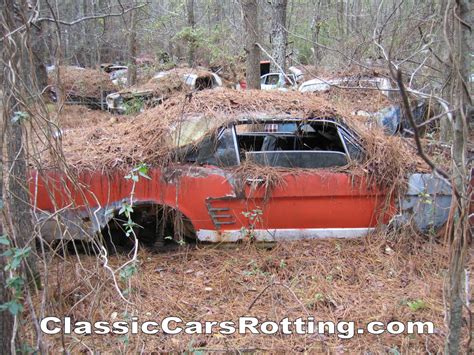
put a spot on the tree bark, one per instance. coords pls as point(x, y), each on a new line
point(39, 51)
point(279, 35)
point(86, 33)
point(16, 216)
point(250, 12)
point(315, 28)
point(132, 50)
point(459, 230)
point(191, 25)
point(18, 224)
point(6, 318)
point(340, 17)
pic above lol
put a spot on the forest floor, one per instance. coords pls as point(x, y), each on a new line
point(383, 277)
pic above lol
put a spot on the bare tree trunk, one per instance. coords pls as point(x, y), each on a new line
point(459, 231)
point(18, 224)
point(16, 216)
point(39, 77)
point(132, 50)
point(39, 54)
point(250, 12)
point(6, 318)
point(191, 24)
point(445, 126)
point(85, 35)
point(340, 17)
point(315, 28)
point(218, 12)
point(279, 35)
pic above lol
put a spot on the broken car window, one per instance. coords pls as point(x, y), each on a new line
point(310, 144)
point(291, 144)
point(353, 148)
point(219, 150)
point(226, 153)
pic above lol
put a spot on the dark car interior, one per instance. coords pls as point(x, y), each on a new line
point(292, 144)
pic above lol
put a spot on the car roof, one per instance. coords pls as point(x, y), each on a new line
point(194, 129)
point(282, 119)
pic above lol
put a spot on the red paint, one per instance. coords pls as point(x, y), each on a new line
point(319, 199)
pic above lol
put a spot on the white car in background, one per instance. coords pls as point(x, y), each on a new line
point(160, 87)
point(315, 85)
point(196, 82)
point(277, 81)
point(319, 85)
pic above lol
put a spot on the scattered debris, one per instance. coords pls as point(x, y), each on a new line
point(393, 119)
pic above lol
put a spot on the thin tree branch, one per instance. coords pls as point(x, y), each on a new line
point(406, 103)
point(87, 18)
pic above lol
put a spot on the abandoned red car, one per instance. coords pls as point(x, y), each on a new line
point(208, 191)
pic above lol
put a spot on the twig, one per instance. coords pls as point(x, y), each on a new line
point(277, 284)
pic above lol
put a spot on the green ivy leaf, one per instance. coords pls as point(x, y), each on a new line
point(18, 256)
point(7, 253)
point(14, 307)
point(128, 271)
point(4, 239)
point(143, 171)
point(126, 208)
point(16, 283)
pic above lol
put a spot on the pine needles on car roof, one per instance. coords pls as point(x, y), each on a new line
point(146, 137)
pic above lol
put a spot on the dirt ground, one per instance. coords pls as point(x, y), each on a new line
point(384, 277)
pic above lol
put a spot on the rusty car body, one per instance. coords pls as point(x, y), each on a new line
point(207, 184)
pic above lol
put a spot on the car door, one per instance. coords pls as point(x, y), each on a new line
point(273, 204)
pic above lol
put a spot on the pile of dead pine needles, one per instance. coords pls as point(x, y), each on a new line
point(383, 277)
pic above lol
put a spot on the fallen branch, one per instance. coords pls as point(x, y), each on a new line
point(277, 284)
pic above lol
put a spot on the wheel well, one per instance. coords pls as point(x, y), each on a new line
point(155, 223)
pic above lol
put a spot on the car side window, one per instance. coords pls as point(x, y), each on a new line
point(215, 149)
point(293, 144)
point(353, 148)
point(226, 148)
point(273, 79)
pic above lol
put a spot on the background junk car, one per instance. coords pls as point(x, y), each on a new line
point(221, 187)
point(161, 86)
